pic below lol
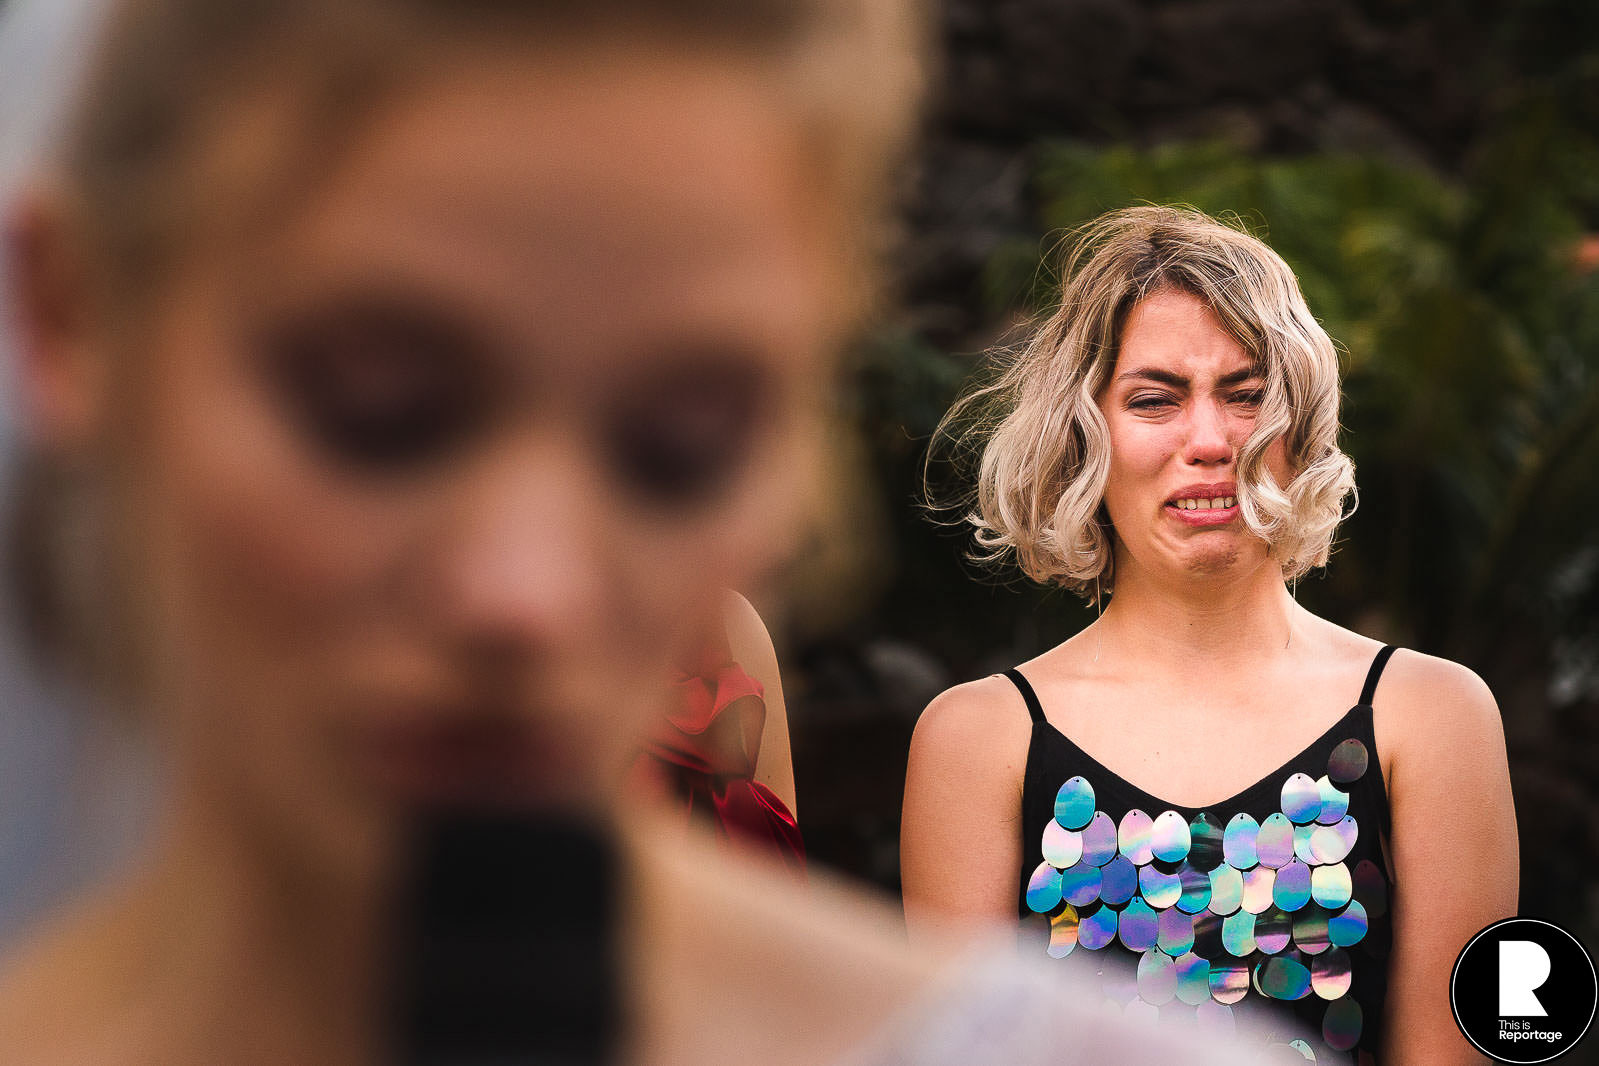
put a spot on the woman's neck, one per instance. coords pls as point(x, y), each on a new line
point(1202, 621)
point(274, 962)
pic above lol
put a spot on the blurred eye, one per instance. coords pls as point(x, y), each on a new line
point(381, 390)
point(680, 436)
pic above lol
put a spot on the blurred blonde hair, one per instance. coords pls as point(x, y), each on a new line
point(1039, 440)
point(169, 75)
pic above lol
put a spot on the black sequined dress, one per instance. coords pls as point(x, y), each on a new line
point(1270, 907)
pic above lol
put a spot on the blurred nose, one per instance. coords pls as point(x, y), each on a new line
point(525, 563)
point(1209, 439)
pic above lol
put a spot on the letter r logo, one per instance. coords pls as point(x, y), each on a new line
point(1523, 967)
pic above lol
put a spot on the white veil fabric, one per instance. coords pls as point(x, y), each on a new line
point(74, 788)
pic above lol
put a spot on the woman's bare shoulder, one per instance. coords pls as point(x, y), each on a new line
point(1427, 707)
point(747, 636)
point(1425, 699)
point(984, 719)
point(1414, 676)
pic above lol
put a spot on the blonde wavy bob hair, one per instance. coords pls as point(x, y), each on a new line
point(1041, 444)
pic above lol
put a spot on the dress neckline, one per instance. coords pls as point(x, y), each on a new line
point(1272, 779)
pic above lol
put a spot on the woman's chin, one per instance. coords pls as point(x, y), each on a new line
point(1215, 555)
point(1218, 560)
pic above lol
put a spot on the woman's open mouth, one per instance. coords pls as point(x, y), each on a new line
point(1217, 509)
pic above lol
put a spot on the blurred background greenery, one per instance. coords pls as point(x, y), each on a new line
point(1431, 172)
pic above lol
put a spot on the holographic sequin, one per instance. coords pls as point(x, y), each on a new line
point(1099, 839)
point(1118, 881)
point(1062, 933)
point(1079, 885)
point(1176, 932)
point(1193, 979)
point(1062, 847)
point(1238, 842)
point(1213, 905)
point(1195, 889)
point(1302, 837)
point(1331, 974)
point(1217, 1018)
point(1097, 929)
point(1257, 888)
point(1332, 843)
point(1138, 927)
point(1334, 801)
point(1159, 889)
point(1274, 844)
point(1157, 977)
point(1229, 982)
point(1205, 843)
point(1273, 928)
point(1340, 1026)
point(1169, 837)
point(1347, 762)
point(1043, 889)
point(1310, 930)
point(1074, 804)
point(1133, 836)
point(1291, 890)
point(1330, 886)
point(1301, 799)
point(1349, 926)
point(1371, 888)
point(1282, 977)
point(1238, 934)
point(1226, 890)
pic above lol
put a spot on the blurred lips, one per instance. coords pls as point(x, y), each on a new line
point(473, 757)
point(1208, 504)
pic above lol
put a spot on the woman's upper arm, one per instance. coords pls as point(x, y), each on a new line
point(960, 839)
point(1455, 853)
point(751, 647)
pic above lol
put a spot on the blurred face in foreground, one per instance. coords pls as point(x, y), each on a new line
point(437, 468)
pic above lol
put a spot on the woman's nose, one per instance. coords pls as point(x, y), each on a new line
point(1209, 434)
point(525, 559)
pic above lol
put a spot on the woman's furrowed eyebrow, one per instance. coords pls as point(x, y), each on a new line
point(1167, 377)
point(1163, 377)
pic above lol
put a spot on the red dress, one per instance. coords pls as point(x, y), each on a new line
point(705, 750)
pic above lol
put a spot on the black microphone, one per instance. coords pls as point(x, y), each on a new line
point(506, 950)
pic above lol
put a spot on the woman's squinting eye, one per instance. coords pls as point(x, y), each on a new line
point(678, 437)
point(1149, 401)
point(379, 390)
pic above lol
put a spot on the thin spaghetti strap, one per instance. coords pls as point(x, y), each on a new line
point(1034, 708)
point(1369, 692)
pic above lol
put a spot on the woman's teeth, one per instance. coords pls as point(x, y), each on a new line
point(1217, 503)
